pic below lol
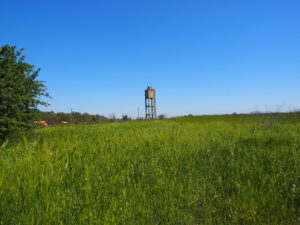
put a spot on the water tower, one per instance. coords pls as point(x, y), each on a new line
point(150, 103)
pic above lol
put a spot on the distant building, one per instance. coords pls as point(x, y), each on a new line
point(42, 122)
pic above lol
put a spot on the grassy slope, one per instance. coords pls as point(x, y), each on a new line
point(237, 169)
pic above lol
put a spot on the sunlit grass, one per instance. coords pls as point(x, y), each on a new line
point(236, 169)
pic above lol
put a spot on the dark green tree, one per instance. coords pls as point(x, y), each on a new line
point(20, 92)
point(125, 117)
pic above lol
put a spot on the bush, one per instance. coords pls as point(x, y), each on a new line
point(162, 116)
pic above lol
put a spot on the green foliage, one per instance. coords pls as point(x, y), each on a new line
point(125, 117)
point(19, 91)
point(74, 117)
point(235, 169)
point(162, 116)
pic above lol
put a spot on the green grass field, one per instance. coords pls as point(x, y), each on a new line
point(237, 169)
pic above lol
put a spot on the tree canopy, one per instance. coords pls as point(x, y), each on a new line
point(20, 91)
point(53, 118)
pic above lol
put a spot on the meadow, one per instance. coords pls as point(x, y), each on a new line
point(231, 169)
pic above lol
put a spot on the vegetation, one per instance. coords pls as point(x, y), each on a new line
point(162, 116)
point(235, 169)
point(20, 92)
point(125, 117)
point(74, 117)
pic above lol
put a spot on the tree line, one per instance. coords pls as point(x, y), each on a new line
point(53, 118)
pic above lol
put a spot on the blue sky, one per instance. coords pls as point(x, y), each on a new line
point(203, 57)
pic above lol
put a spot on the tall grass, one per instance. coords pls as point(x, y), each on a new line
point(236, 169)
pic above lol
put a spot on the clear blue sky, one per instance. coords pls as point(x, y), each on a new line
point(203, 57)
